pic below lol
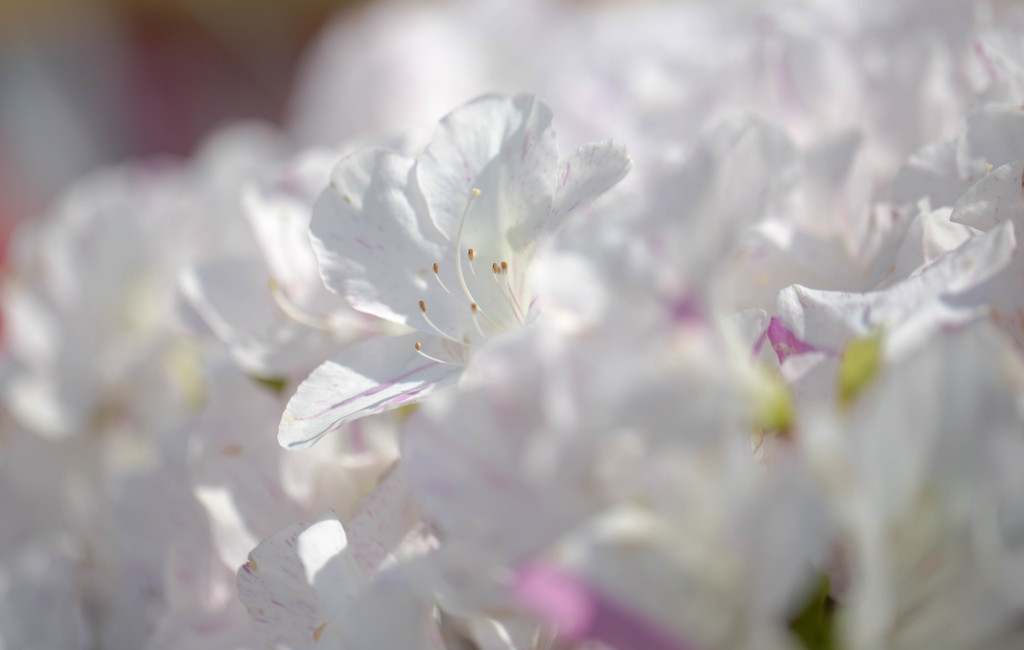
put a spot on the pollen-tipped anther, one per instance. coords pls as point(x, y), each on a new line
point(504, 267)
point(494, 267)
point(428, 357)
point(471, 255)
point(437, 276)
point(476, 321)
point(442, 333)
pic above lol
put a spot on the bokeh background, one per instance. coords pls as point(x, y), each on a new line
point(85, 83)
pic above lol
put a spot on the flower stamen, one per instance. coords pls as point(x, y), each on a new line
point(293, 311)
point(487, 296)
point(437, 276)
point(419, 351)
point(506, 291)
point(440, 332)
point(476, 320)
point(474, 194)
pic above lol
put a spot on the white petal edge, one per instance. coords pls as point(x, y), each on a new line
point(370, 377)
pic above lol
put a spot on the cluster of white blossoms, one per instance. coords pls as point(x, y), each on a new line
point(379, 379)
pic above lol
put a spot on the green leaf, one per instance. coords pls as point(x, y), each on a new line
point(815, 624)
point(774, 410)
point(858, 367)
point(404, 412)
point(185, 361)
point(275, 384)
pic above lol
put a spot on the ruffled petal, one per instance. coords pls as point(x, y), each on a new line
point(992, 200)
point(283, 605)
point(506, 148)
point(377, 248)
point(590, 171)
point(370, 377)
point(233, 298)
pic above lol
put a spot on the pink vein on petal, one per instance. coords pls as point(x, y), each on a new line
point(370, 391)
point(580, 612)
point(785, 342)
point(760, 342)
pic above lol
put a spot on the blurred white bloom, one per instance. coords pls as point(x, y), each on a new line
point(911, 470)
point(270, 307)
point(251, 487)
point(764, 396)
point(550, 469)
point(87, 301)
point(299, 583)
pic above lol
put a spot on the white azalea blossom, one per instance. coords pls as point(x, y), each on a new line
point(442, 244)
point(762, 389)
point(270, 306)
point(919, 526)
point(89, 278)
point(299, 583)
point(553, 492)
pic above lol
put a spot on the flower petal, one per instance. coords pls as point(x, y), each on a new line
point(284, 607)
point(948, 291)
point(374, 243)
point(579, 611)
point(505, 148)
point(993, 135)
point(279, 212)
point(590, 171)
point(233, 299)
point(992, 200)
point(930, 173)
point(337, 571)
point(370, 377)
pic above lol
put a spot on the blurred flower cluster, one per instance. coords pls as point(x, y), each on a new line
point(732, 360)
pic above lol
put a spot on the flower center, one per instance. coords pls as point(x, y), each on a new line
point(494, 298)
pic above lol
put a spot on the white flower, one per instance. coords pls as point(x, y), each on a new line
point(442, 244)
point(251, 487)
point(269, 305)
point(955, 289)
point(916, 470)
point(87, 303)
point(40, 604)
point(299, 584)
point(611, 477)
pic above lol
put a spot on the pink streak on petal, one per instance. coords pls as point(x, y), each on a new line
point(785, 342)
point(990, 67)
point(582, 613)
point(371, 391)
point(558, 598)
point(760, 342)
point(401, 398)
point(686, 309)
